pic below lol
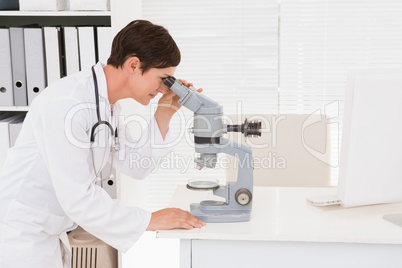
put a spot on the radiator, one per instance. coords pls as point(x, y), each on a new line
point(90, 252)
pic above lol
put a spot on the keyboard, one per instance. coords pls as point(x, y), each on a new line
point(324, 200)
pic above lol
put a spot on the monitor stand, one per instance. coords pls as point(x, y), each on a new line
point(394, 218)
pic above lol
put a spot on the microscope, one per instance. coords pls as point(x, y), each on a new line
point(208, 130)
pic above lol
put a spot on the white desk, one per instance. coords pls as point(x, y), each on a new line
point(285, 231)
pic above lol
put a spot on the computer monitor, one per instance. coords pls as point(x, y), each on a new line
point(370, 170)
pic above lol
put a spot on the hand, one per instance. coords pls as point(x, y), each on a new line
point(171, 218)
point(168, 103)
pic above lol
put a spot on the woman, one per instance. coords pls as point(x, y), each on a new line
point(47, 184)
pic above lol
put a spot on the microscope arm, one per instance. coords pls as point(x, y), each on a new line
point(245, 167)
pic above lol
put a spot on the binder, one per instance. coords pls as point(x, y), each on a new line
point(6, 75)
point(9, 4)
point(35, 62)
point(14, 129)
point(18, 66)
point(89, 5)
point(52, 54)
point(48, 5)
point(5, 137)
point(71, 50)
point(86, 40)
point(104, 41)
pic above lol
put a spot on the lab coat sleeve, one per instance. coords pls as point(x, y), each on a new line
point(139, 158)
point(63, 144)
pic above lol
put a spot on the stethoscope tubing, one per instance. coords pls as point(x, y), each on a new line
point(114, 133)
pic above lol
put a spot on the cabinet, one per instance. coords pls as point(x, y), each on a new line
point(57, 18)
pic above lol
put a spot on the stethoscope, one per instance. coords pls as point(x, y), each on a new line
point(115, 137)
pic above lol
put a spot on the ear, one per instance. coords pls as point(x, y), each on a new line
point(132, 64)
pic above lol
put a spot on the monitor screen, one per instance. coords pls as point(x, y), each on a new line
point(370, 170)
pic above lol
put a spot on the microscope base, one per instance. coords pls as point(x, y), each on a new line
point(219, 213)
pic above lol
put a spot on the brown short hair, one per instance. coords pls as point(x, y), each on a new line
point(151, 43)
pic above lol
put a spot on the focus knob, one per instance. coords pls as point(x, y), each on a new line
point(243, 197)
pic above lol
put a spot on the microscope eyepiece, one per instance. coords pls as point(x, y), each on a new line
point(169, 81)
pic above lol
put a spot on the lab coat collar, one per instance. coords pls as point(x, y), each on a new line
point(103, 93)
point(101, 78)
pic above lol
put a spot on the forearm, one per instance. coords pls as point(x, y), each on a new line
point(163, 120)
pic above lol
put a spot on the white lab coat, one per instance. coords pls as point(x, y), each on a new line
point(46, 185)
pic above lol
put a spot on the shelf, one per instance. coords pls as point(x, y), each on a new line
point(54, 18)
point(56, 13)
point(14, 109)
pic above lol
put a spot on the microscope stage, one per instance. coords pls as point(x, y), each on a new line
point(203, 184)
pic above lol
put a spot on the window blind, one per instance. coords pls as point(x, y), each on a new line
point(321, 41)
